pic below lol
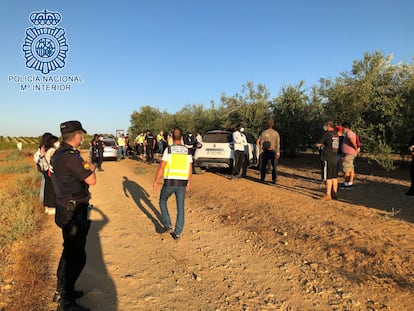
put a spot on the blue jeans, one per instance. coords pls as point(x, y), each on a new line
point(166, 192)
point(122, 149)
point(160, 147)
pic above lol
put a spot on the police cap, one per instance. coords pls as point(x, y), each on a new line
point(71, 126)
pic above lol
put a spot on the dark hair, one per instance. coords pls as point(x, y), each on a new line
point(346, 124)
point(177, 134)
point(44, 138)
point(69, 136)
point(270, 122)
point(330, 123)
point(50, 141)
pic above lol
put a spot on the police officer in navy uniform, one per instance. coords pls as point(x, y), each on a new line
point(71, 179)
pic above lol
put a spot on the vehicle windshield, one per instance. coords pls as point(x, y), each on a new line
point(109, 143)
point(218, 138)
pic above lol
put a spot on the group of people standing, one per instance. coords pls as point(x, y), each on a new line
point(147, 144)
point(338, 145)
point(269, 146)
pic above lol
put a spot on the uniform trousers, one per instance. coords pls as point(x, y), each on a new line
point(73, 258)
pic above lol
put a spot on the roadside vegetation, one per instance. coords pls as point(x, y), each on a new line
point(10, 143)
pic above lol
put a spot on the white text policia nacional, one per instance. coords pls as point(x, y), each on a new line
point(45, 79)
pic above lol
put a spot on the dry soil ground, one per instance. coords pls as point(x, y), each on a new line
point(247, 245)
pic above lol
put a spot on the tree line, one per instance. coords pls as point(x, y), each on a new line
point(375, 96)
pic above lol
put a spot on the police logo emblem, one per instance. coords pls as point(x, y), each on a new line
point(45, 45)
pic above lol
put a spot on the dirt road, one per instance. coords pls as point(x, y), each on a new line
point(249, 246)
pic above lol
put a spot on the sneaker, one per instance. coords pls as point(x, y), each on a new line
point(175, 236)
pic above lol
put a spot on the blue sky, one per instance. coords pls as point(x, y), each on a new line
point(170, 53)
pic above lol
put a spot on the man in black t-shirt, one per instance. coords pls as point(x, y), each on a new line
point(150, 142)
point(330, 144)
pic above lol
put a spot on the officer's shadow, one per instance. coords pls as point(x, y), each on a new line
point(100, 290)
point(141, 199)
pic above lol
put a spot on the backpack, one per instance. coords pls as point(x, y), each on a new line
point(189, 140)
point(41, 162)
point(266, 145)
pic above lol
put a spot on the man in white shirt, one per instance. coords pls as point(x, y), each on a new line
point(240, 144)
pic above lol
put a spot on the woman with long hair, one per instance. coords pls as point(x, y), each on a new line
point(49, 195)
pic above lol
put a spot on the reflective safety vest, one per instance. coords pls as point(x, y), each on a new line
point(141, 139)
point(177, 168)
point(121, 141)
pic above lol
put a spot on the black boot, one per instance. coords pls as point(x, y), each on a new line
point(75, 294)
point(68, 303)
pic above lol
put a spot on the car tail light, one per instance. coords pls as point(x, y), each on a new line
point(114, 147)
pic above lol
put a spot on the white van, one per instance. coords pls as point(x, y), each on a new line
point(217, 151)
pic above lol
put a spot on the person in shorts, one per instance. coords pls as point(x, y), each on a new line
point(349, 151)
point(329, 143)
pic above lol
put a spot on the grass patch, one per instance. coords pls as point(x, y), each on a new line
point(13, 162)
point(20, 208)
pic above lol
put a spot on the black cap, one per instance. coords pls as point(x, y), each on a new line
point(71, 126)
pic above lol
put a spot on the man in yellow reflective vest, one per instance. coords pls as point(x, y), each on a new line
point(176, 166)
